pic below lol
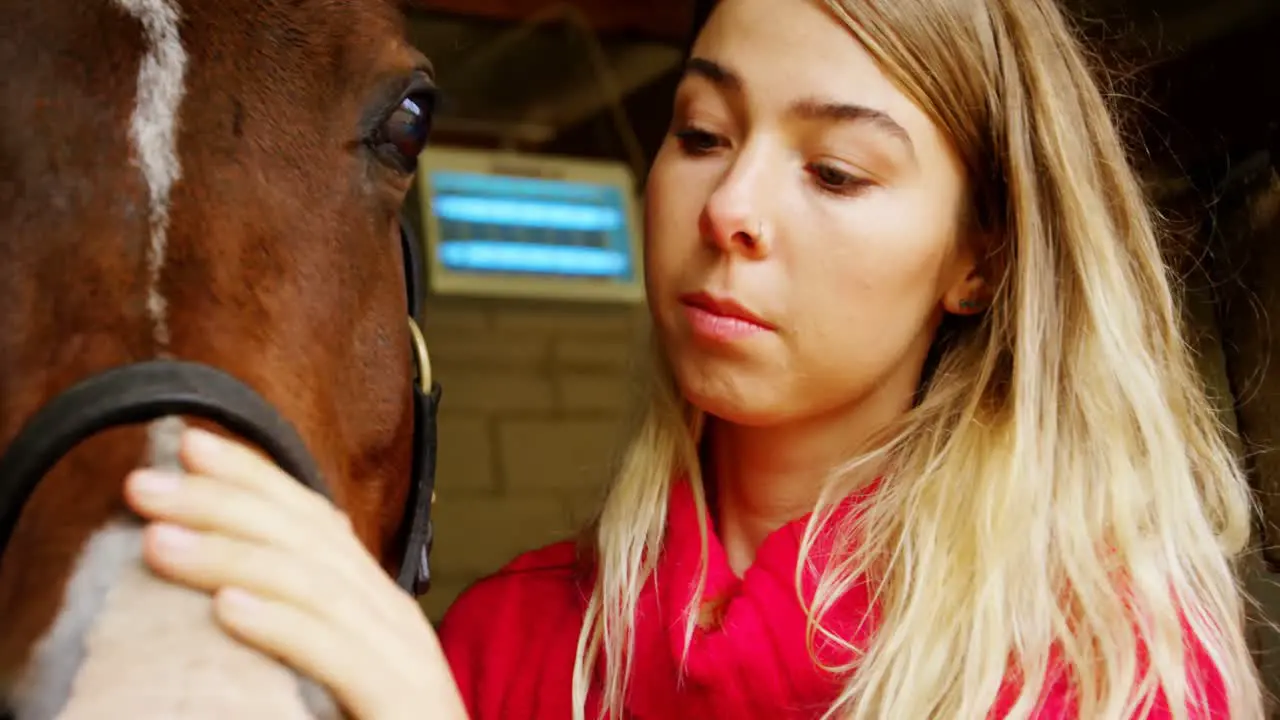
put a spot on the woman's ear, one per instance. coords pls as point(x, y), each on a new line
point(969, 296)
point(971, 293)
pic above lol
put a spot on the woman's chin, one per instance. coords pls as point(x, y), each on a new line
point(736, 404)
point(742, 390)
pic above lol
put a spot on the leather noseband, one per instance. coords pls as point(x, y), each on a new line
point(144, 391)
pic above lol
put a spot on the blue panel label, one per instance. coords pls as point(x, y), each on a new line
point(495, 224)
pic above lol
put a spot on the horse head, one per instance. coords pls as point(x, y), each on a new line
point(199, 201)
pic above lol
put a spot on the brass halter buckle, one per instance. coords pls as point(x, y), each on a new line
point(423, 361)
point(420, 357)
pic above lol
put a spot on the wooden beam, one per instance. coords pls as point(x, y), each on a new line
point(663, 20)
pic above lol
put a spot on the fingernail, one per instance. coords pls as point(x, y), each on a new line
point(173, 537)
point(154, 481)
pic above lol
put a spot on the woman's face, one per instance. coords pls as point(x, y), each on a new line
point(798, 188)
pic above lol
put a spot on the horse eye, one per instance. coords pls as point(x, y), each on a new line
point(407, 129)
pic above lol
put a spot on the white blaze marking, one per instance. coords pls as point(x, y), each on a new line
point(44, 686)
point(46, 683)
point(154, 132)
point(41, 690)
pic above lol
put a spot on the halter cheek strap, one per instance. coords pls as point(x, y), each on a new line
point(418, 530)
point(415, 568)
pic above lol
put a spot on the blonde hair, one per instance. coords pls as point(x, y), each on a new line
point(1063, 447)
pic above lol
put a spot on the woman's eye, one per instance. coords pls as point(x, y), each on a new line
point(834, 180)
point(407, 129)
point(697, 142)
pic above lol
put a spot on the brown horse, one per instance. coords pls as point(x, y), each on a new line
point(213, 181)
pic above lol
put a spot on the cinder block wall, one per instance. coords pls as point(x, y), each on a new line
point(530, 421)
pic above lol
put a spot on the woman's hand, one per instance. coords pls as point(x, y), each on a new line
point(290, 578)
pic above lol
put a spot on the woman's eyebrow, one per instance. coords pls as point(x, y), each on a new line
point(842, 112)
point(727, 80)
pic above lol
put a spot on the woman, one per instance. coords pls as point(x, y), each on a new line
point(924, 439)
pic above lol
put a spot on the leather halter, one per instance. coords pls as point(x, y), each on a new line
point(143, 391)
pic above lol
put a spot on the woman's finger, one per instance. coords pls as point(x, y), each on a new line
point(209, 561)
point(374, 675)
point(310, 645)
point(213, 505)
point(206, 453)
point(213, 509)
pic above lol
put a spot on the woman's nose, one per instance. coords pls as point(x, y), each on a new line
point(732, 220)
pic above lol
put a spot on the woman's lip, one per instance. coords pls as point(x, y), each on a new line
point(722, 307)
point(719, 328)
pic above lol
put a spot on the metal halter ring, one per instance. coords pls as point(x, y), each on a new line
point(423, 361)
point(420, 357)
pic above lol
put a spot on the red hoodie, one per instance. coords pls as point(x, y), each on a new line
point(511, 638)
